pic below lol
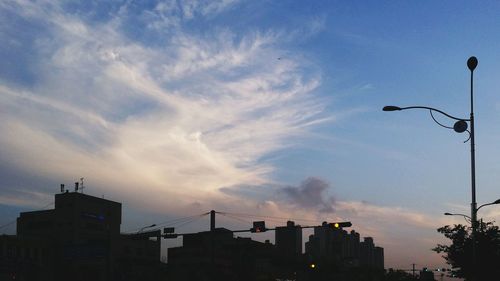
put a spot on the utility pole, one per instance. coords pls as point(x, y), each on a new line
point(413, 270)
point(212, 246)
point(212, 220)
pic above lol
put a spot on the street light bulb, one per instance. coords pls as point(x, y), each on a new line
point(391, 108)
point(460, 126)
point(472, 63)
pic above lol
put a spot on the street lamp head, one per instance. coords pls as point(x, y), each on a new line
point(460, 126)
point(472, 63)
point(496, 201)
point(391, 108)
point(448, 214)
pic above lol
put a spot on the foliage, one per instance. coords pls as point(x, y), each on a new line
point(459, 253)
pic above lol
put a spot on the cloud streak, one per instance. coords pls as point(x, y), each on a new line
point(179, 120)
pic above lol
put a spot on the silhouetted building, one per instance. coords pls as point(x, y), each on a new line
point(378, 257)
point(337, 247)
point(352, 245)
point(137, 257)
point(329, 244)
point(217, 255)
point(80, 240)
point(23, 259)
point(367, 252)
point(289, 239)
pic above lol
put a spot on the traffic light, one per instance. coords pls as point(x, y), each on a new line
point(341, 224)
point(168, 229)
point(258, 226)
point(168, 233)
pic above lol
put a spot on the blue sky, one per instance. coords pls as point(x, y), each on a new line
point(263, 107)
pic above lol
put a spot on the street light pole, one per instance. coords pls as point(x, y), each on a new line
point(472, 64)
point(461, 126)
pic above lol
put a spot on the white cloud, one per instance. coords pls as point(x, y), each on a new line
point(171, 14)
point(178, 121)
point(164, 126)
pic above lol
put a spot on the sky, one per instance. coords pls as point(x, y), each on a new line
point(269, 108)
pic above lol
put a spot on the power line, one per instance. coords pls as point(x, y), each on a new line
point(236, 218)
point(188, 222)
point(51, 203)
point(7, 224)
point(175, 222)
point(13, 221)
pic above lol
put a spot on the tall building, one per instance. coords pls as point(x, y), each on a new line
point(370, 255)
point(378, 257)
point(328, 243)
point(366, 252)
point(338, 247)
point(78, 240)
point(351, 257)
point(289, 239)
point(81, 231)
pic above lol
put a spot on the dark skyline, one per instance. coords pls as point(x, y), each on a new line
point(257, 107)
point(81, 239)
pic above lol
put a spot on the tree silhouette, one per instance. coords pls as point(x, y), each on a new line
point(459, 253)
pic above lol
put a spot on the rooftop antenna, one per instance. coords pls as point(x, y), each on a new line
point(62, 188)
point(81, 184)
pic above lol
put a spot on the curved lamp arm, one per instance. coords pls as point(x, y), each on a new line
point(397, 108)
point(466, 217)
point(492, 203)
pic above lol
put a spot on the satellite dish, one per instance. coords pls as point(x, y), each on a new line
point(460, 126)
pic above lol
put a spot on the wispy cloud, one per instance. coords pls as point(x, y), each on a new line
point(172, 13)
point(179, 120)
